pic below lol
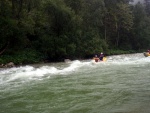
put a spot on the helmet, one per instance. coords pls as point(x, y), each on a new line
point(101, 53)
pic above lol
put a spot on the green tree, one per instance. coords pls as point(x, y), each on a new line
point(124, 21)
point(141, 28)
point(61, 21)
point(118, 20)
point(147, 7)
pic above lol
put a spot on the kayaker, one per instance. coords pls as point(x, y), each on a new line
point(148, 51)
point(96, 58)
point(101, 56)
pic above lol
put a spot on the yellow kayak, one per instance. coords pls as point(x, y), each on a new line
point(104, 59)
point(97, 59)
point(146, 54)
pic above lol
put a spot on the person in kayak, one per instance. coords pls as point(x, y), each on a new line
point(96, 58)
point(101, 56)
point(148, 51)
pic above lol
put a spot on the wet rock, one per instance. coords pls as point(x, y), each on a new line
point(10, 64)
point(67, 60)
point(2, 65)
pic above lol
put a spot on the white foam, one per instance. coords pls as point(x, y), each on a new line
point(31, 73)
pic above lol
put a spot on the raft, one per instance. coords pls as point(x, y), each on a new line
point(104, 59)
point(97, 59)
point(146, 54)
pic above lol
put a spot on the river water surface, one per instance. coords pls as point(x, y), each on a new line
point(120, 85)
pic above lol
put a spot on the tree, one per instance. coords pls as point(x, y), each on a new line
point(141, 28)
point(124, 21)
point(147, 7)
point(118, 20)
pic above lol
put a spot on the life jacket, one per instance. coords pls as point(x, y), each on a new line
point(96, 59)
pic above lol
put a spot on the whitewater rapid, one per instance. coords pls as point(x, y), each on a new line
point(39, 72)
point(119, 85)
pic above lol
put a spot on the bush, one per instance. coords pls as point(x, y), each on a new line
point(117, 52)
point(24, 57)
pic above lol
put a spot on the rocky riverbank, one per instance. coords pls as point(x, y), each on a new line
point(8, 65)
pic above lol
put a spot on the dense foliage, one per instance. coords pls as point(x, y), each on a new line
point(37, 30)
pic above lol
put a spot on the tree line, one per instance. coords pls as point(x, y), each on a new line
point(35, 30)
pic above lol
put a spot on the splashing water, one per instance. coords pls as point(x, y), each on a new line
point(78, 86)
point(30, 72)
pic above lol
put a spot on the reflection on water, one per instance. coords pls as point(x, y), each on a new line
point(120, 85)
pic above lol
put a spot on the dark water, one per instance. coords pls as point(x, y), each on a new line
point(120, 85)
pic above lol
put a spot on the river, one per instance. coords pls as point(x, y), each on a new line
point(119, 85)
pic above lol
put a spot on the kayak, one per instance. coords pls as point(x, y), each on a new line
point(146, 54)
point(97, 59)
point(104, 59)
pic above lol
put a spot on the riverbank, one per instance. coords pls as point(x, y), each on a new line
point(7, 61)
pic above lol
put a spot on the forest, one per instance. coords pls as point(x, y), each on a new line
point(33, 31)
